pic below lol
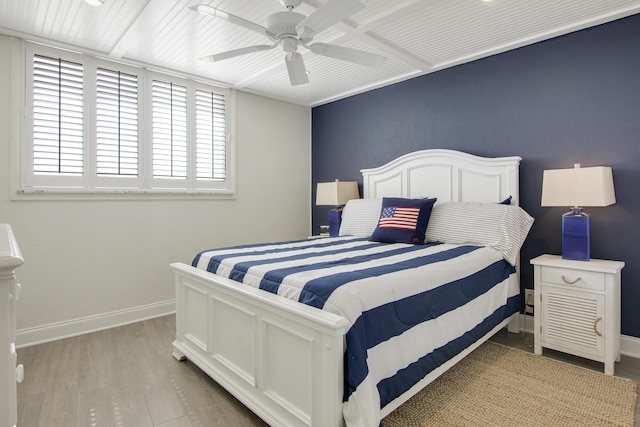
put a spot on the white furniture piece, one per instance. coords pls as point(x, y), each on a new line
point(578, 308)
point(284, 336)
point(10, 259)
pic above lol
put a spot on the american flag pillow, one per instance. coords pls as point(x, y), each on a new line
point(403, 220)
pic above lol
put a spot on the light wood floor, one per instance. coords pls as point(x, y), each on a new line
point(126, 377)
point(121, 377)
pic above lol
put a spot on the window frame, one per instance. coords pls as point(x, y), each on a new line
point(90, 184)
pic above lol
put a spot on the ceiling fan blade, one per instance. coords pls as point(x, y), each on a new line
point(330, 13)
point(347, 54)
point(297, 71)
point(237, 52)
point(221, 14)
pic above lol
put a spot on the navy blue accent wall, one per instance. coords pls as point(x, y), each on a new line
point(572, 99)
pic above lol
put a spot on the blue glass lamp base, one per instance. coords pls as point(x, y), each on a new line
point(576, 235)
point(335, 218)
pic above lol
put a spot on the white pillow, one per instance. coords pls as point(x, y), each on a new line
point(502, 227)
point(360, 217)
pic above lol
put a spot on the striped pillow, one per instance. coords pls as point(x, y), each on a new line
point(502, 227)
point(360, 217)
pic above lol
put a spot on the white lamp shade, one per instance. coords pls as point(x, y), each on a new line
point(592, 186)
point(336, 193)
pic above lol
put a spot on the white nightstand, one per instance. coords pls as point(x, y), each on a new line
point(578, 308)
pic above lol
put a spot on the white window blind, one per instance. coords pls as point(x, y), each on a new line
point(98, 126)
point(57, 116)
point(169, 130)
point(116, 123)
point(211, 136)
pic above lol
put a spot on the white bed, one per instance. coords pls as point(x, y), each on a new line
point(284, 359)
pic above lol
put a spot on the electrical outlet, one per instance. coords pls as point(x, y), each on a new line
point(528, 297)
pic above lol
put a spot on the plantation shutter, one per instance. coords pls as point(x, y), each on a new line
point(116, 123)
point(169, 130)
point(211, 136)
point(57, 117)
point(103, 127)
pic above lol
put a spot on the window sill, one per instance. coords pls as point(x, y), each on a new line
point(120, 194)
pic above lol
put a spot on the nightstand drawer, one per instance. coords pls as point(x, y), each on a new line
point(574, 278)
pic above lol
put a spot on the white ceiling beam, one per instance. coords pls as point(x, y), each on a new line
point(396, 11)
point(119, 49)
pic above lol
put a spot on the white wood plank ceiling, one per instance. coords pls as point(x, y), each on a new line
point(416, 36)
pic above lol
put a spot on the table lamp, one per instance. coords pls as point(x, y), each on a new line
point(336, 193)
point(592, 186)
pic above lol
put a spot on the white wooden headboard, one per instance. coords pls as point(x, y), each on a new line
point(448, 175)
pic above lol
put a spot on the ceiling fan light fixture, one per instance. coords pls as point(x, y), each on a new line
point(95, 2)
point(289, 44)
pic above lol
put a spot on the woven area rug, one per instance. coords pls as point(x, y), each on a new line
point(494, 385)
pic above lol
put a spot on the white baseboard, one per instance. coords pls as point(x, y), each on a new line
point(85, 325)
point(629, 346)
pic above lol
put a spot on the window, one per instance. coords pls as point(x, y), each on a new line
point(210, 136)
point(57, 116)
point(104, 127)
point(116, 123)
point(169, 121)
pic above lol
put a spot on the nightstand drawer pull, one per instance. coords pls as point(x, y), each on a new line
point(595, 324)
point(570, 282)
point(573, 277)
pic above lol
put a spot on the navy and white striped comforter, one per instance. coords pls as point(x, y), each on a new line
point(410, 307)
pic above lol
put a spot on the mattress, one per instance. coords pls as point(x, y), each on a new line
point(410, 307)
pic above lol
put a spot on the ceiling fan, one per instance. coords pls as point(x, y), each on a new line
point(291, 29)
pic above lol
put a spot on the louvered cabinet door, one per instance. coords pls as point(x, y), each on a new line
point(577, 308)
point(572, 321)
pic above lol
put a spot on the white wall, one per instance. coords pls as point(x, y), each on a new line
point(95, 263)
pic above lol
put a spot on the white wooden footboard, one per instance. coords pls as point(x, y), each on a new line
point(282, 359)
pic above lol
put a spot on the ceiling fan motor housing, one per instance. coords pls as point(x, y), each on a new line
point(283, 24)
